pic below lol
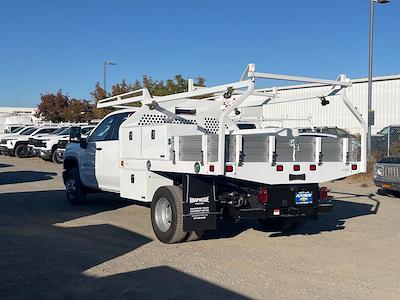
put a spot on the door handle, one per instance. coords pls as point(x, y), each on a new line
point(98, 149)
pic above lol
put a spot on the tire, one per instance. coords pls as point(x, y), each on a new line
point(281, 224)
point(75, 190)
point(22, 151)
point(194, 235)
point(167, 214)
point(55, 158)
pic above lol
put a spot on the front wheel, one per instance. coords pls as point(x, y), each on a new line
point(56, 158)
point(76, 193)
point(167, 214)
point(22, 151)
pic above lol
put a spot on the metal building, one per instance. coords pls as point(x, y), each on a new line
point(385, 102)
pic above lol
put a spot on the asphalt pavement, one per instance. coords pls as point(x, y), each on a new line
point(107, 250)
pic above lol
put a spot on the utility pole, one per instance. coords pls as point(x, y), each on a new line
point(106, 64)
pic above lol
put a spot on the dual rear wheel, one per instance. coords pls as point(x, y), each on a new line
point(167, 216)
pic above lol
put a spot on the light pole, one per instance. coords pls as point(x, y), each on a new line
point(371, 117)
point(106, 64)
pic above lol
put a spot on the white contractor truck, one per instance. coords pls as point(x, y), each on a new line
point(188, 155)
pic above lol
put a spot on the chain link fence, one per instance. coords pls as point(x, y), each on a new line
point(386, 142)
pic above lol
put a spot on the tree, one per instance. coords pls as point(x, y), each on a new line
point(98, 94)
point(156, 88)
point(52, 106)
point(78, 111)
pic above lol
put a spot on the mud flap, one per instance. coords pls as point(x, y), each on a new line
point(199, 208)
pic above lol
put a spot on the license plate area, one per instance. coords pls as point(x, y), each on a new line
point(303, 198)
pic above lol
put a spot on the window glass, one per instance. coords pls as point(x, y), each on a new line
point(66, 131)
point(104, 131)
point(121, 119)
point(384, 131)
point(85, 130)
point(45, 130)
point(15, 130)
point(59, 130)
point(28, 131)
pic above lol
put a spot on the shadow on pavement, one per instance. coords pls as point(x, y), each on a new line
point(40, 260)
point(342, 211)
point(5, 165)
point(24, 176)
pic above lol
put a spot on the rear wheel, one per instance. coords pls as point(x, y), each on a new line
point(21, 151)
point(167, 214)
point(76, 193)
point(194, 235)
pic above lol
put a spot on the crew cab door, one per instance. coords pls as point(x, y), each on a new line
point(100, 165)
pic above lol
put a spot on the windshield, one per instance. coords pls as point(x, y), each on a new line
point(18, 129)
point(86, 130)
point(66, 131)
point(28, 131)
point(384, 131)
point(59, 130)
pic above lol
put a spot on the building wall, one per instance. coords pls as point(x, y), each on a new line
point(385, 102)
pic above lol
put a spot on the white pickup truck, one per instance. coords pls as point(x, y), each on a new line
point(58, 155)
point(192, 161)
point(17, 145)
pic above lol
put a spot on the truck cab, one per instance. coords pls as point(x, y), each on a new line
point(97, 155)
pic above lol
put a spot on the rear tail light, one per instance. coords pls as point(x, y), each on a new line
point(279, 168)
point(323, 193)
point(211, 168)
point(313, 167)
point(263, 196)
point(296, 168)
point(354, 167)
point(229, 168)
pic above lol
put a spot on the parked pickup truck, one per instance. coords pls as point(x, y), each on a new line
point(18, 145)
point(387, 174)
point(62, 142)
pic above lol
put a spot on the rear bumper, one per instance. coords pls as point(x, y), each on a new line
point(283, 212)
point(387, 184)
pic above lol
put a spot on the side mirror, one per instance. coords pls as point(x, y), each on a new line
point(83, 143)
point(75, 135)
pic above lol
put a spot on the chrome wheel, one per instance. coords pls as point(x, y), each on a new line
point(163, 214)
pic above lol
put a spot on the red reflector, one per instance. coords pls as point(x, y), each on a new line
point(296, 167)
point(229, 168)
point(279, 168)
point(323, 193)
point(354, 167)
point(313, 167)
point(263, 196)
point(211, 168)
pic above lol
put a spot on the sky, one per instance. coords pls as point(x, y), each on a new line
point(50, 45)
